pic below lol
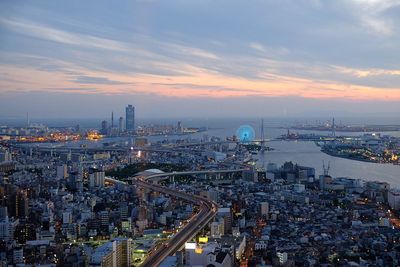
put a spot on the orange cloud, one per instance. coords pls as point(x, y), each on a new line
point(198, 83)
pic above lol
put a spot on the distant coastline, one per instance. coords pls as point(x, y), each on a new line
point(348, 128)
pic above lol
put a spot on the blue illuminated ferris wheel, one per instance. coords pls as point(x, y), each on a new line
point(245, 133)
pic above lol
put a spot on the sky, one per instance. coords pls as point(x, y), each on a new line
point(199, 58)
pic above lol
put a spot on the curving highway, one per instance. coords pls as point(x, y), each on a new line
point(208, 209)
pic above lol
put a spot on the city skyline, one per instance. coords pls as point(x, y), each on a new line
point(199, 133)
point(293, 58)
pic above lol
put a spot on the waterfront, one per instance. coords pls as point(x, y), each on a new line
point(301, 152)
point(308, 154)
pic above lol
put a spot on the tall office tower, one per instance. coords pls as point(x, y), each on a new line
point(104, 127)
point(18, 204)
point(112, 119)
point(96, 178)
point(130, 118)
point(121, 125)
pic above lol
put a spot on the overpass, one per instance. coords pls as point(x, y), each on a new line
point(164, 176)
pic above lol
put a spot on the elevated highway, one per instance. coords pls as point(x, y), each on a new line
point(163, 176)
point(208, 210)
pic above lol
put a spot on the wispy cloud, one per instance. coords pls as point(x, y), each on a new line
point(189, 51)
point(257, 46)
point(95, 80)
point(60, 36)
point(361, 73)
point(323, 52)
point(372, 17)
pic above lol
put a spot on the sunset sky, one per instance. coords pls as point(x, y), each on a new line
point(199, 58)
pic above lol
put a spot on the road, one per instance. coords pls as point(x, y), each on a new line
point(165, 175)
point(207, 210)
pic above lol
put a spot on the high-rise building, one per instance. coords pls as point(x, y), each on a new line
point(121, 125)
point(104, 127)
point(123, 210)
point(5, 156)
point(62, 172)
point(96, 178)
point(104, 218)
point(24, 232)
point(7, 227)
point(115, 253)
point(226, 214)
point(18, 205)
point(130, 118)
point(394, 199)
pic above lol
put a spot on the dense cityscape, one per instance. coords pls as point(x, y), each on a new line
point(202, 133)
point(182, 202)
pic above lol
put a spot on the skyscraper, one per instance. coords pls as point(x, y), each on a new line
point(130, 118)
point(104, 127)
point(121, 125)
